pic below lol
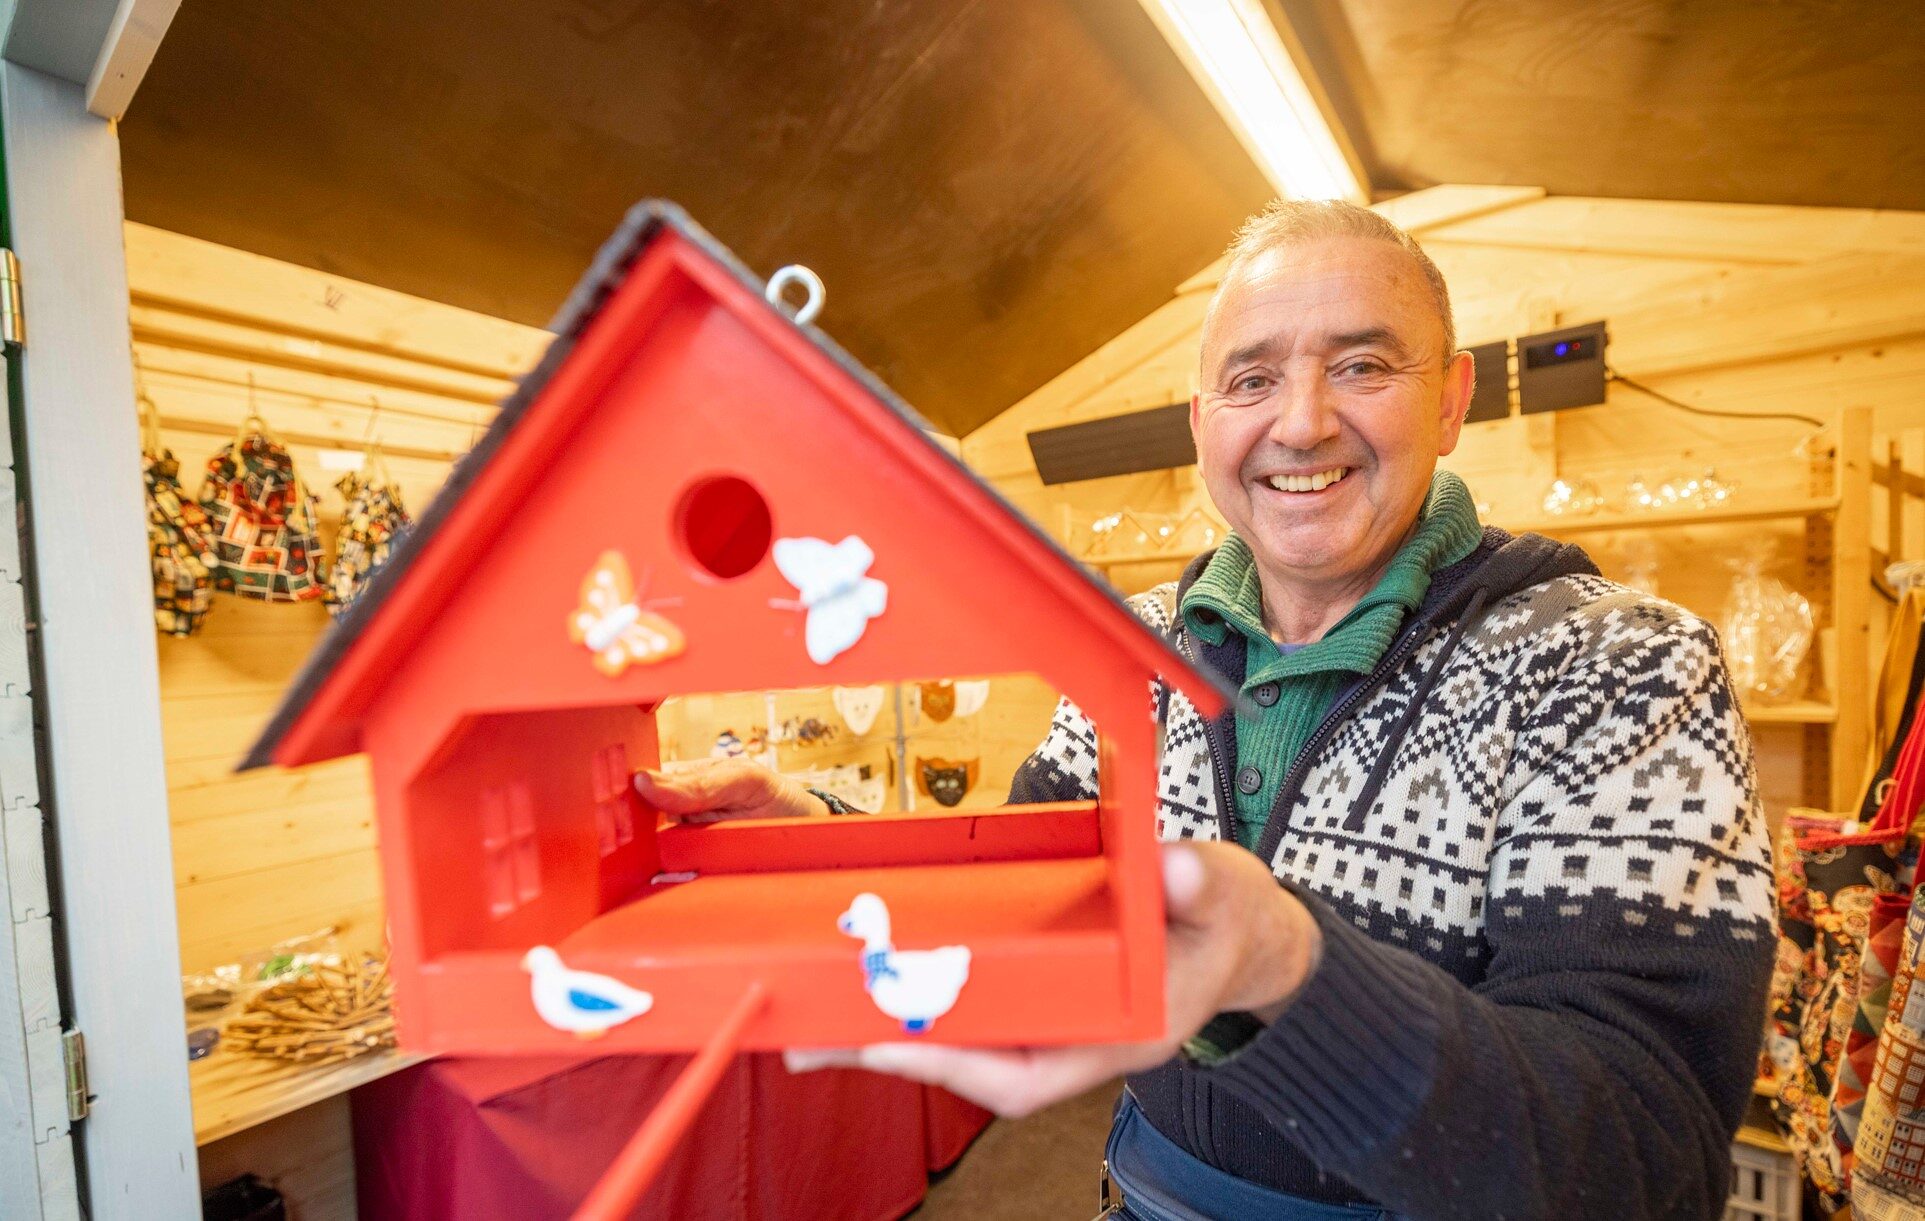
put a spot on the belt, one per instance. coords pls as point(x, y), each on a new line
point(1159, 1181)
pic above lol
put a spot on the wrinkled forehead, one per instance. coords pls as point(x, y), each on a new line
point(1317, 296)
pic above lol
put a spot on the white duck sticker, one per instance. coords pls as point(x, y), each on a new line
point(838, 594)
point(915, 987)
point(581, 1002)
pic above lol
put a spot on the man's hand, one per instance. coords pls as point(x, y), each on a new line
point(1236, 941)
point(726, 788)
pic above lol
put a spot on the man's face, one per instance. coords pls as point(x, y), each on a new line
point(1324, 404)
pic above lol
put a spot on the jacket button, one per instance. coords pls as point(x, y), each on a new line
point(1249, 780)
point(1266, 694)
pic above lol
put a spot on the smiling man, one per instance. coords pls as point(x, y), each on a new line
point(1469, 899)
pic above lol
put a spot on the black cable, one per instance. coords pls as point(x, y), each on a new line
point(1668, 401)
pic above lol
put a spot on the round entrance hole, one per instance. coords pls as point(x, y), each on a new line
point(724, 525)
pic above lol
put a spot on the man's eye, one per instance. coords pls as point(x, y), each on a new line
point(1249, 383)
point(1360, 368)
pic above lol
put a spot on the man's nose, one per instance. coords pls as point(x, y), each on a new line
point(1306, 416)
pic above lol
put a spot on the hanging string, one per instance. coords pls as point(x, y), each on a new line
point(146, 411)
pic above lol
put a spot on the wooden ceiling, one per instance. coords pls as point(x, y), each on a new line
point(1813, 102)
point(990, 190)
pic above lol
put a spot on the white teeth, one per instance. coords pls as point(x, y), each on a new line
point(1308, 483)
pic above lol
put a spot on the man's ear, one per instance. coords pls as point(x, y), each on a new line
point(1196, 413)
point(1460, 379)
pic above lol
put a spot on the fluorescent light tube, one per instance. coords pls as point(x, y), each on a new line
point(1239, 58)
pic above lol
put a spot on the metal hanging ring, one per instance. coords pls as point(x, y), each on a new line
point(796, 273)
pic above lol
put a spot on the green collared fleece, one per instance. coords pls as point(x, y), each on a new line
point(1292, 687)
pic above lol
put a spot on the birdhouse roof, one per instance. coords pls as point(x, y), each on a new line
point(362, 648)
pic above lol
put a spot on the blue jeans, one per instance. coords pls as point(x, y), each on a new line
point(1160, 1182)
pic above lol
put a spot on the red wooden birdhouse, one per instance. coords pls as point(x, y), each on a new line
point(696, 493)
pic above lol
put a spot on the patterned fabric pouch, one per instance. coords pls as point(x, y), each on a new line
point(1884, 950)
point(178, 546)
point(263, 522)
point(1829, 886)
point(372, 523)
point(1888, 1183)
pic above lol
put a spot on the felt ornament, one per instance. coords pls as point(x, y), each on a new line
point(971, 695)
point(859, 707)
point(947, 781)
point(867, 795)
point(938, 700)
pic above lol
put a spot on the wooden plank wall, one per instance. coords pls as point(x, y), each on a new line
point(269, 855)
point(1730, 307)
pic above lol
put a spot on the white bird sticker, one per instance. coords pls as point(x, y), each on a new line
point(581, 1002)
point(915, 987)
point(838, 595)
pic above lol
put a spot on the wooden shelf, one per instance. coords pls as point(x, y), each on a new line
point(1600, 523)
point(1798, 712)
point(233, 1091)
point(1738, 511)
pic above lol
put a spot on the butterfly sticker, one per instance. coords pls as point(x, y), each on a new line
point(838, 595)
point(615, 626)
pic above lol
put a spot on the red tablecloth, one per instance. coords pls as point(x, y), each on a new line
point(526, 1139)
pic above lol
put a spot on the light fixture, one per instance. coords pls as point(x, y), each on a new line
point(1264, 91)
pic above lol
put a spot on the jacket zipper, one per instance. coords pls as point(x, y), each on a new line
point(1274, 826)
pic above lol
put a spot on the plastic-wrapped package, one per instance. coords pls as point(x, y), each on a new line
point(1641, 564)
point(1767, 629)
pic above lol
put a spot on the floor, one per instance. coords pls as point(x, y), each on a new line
point(1042, 1168)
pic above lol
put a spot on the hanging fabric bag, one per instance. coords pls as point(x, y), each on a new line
point(179, 548)
point(1888, 1180)
point(372, 523)
point(263, 521)
point(1832, 874)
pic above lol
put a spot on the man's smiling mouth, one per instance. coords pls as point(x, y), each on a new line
point(1308, 483)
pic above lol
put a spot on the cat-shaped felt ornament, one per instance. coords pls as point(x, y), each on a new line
point(859, 706)
point(617, 627)
point(946, 780)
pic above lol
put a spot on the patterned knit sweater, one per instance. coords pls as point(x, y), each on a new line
point(1532, 840)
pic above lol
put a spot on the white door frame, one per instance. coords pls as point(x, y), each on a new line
point(103, 776)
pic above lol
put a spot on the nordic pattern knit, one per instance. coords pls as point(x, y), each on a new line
point(1533, 843)
point(1289, 690)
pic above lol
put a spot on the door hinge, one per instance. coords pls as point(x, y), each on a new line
point(73, 1050)
point(13, 316)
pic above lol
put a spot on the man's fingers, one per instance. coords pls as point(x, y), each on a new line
point(808, 1060)
point(718, 789)
point(1010, 1083)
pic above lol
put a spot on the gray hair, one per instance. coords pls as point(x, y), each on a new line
point(1286, 222)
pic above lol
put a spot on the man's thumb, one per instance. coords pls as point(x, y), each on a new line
point(1184, 878)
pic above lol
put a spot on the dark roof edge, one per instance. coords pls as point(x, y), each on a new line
point(598, 283)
